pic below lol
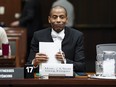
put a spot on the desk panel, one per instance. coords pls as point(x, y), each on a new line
point(63, 82)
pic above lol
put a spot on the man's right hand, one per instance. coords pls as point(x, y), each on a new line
point(39, 58)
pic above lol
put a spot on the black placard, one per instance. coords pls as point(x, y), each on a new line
point(28, 71)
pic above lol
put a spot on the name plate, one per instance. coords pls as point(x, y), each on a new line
point(11, 73)
point(56, 70)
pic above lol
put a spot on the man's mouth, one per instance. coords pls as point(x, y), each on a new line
point(58, 25)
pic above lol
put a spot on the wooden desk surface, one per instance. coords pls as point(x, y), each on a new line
point(56, 82)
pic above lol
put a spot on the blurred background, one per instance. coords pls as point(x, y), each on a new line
point(88, 12)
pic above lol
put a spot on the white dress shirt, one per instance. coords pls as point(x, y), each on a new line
point(58, 37)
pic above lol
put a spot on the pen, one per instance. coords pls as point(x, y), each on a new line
point(62, 56)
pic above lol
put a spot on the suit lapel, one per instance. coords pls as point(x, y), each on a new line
point(48, 35)
point(65, 40)
point(67, 36)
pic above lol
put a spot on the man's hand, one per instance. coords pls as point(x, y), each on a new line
point(39, 58)
point(60, 56)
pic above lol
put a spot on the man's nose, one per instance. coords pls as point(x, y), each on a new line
point(58, 19)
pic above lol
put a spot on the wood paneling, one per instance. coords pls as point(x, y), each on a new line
point(11, 8)
point(91, 12)
point(86, 11)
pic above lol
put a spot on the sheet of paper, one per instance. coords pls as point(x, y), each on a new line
point(50, 49)
point(0, 52)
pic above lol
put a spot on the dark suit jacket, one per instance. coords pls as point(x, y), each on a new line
point(72, 46)
point(31, 17)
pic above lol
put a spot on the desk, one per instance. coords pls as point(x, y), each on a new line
point(55, 82)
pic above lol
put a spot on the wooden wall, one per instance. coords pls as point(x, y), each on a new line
point(90, 12)
point(11, 7)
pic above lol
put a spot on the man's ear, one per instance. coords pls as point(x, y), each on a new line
point(49, 19)
point(67, 21)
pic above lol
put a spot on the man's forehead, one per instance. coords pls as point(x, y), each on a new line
point(58, 9)
point(58, 12)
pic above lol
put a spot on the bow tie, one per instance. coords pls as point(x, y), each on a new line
point(59, 36)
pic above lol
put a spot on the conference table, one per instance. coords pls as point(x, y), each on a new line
point(78, 81)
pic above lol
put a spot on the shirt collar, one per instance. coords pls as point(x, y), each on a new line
point(59, 35)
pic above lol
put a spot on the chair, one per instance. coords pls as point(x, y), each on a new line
point(14, 60)
point(17, 39)
point(15, 49)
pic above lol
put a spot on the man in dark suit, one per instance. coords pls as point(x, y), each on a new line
point(71, 40)
point(31, 19)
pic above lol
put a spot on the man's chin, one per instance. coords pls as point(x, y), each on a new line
point(58, 30)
